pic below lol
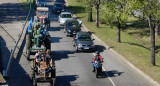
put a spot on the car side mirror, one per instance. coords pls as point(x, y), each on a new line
point(80, 23)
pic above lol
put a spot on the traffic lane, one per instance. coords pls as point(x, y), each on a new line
point(76, 67)
point(114, 64)
point(128, 76)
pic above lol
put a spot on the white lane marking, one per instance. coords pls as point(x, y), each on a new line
point(109, 77)
point(107, 74)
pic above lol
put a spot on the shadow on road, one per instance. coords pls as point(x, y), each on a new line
point(11, 12)
point(17, 74)
point(66, 80)
point(56, 28)
point(55, 39)
point(58, 55)
point(113, 73)
point(99, 48)
point(4, 54)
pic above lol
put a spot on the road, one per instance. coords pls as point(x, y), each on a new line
point(75, 69)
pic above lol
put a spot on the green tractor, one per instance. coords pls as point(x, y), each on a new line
point(37, 38)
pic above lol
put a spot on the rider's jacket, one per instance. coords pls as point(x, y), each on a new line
point(99, 57)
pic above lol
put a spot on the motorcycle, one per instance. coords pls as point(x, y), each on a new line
point(98, 68)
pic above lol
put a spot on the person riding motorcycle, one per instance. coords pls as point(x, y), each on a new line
point(97, 57)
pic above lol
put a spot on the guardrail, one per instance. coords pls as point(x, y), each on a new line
point(6, 72)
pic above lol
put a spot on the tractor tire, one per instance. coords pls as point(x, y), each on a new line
point(32, 74)
point(28, 41)
point(28, 54)
point(47, 44)
point(53, 73)
point(53, 83)
point(34, 82)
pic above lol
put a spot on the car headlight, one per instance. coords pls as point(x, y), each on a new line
point(79, 45)
point(62, 21)
point(92, 45)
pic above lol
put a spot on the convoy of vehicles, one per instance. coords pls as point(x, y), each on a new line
point(38, 39)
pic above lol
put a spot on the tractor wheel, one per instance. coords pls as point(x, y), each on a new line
point(28, 54)
point(53, 73)
point(32, 74)
point(47, 44)
point(28, 42)
point(34, 82)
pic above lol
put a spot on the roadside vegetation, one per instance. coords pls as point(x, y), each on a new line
point(134, 44)
point(25, 4)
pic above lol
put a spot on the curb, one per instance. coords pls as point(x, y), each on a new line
point(155, 83)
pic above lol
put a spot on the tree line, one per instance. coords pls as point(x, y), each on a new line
point(117, 13)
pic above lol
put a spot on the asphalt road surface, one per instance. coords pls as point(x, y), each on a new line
point(73, 69)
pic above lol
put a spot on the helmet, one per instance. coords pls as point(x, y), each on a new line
point(97, 52)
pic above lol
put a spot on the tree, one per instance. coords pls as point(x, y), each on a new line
point(151, 10)
point(89, 4)
point(116, 13)
point(97, 3)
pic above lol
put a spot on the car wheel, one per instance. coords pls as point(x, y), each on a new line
point(77, 49)
point(66, 33)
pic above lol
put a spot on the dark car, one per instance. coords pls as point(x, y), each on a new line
point(83, 42)
point(58, 7)
point(60, 1)
point(41, 3)
point(72, 26)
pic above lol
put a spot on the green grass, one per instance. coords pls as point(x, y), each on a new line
point(25, 4)
point(135, 40)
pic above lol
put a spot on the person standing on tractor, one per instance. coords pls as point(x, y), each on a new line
point(97, 57)
point(49, 59)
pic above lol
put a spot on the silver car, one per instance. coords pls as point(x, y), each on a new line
point(63, 16)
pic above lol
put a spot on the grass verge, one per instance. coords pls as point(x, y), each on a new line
point(25, 4)
point(134, 47)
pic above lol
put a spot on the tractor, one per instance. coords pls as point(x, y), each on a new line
point(42, 15)
point(37, 38)
point(43, 70)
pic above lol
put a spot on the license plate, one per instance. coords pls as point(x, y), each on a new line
point(86, 47)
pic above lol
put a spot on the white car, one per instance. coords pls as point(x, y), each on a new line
point(63, 16)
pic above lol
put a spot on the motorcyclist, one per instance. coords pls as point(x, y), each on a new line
point(97, 57)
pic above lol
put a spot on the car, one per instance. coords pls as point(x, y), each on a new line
point(60, 1)
point(58, 7)
point(83, 42)
point(63, 16)
point(72, 26)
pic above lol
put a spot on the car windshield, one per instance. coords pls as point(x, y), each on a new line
point(84, 38)
point(42, 12)
point(58, 5)
point(66, 16)
point(72, 24)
